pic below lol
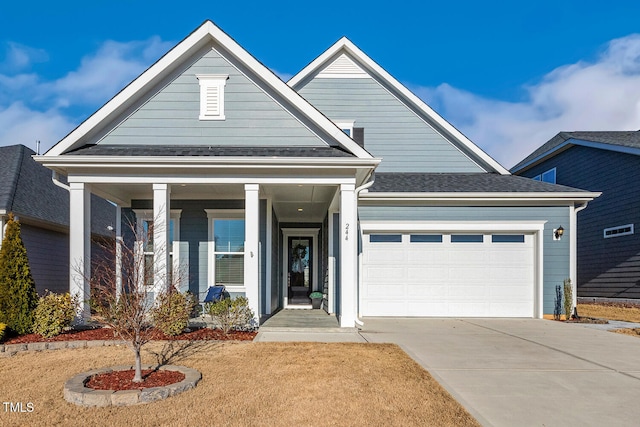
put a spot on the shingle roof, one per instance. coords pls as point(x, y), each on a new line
point(26, 190)
point(629, 139)
point(462, 183)
point(213, 151)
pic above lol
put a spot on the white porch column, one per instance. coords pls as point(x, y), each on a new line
point(161, 211)
point(348, 255)
point(80, 246)
point(252, 236)
point(119, 242)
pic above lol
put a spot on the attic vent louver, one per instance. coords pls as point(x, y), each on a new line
point(343, 67)
point(212, 96)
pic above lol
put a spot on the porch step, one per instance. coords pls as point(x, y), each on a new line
point(307, 330)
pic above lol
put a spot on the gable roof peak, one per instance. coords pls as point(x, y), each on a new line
point(390, 83)
point(205, 34)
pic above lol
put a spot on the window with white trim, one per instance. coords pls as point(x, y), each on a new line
point(226, 255)
point(621, 230)
point(212, 96)
point(144, 223)
point(346, 126)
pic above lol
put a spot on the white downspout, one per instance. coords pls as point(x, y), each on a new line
point(573, 250)
point(56, 181)
point(356, 193)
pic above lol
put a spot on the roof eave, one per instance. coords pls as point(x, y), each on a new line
point(486, 196)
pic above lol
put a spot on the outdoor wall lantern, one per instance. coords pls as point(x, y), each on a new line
point(558, 232)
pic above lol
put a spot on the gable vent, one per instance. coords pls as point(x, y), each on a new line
point(212, 96)
point(343, 67)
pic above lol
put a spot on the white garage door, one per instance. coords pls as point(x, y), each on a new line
point(444, 274)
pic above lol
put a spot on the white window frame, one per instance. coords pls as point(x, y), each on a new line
point(207, 82)
point(174, 215)
point(345, 125)
point(626, 233)
point(212, 215)
point(541, 176)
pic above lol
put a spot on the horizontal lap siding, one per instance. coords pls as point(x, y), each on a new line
point(393, 132)
point(606, 267)
point(48, 253)
point(252, 117)
point(556, 253)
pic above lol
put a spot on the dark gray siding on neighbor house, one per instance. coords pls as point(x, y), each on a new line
point(48, 253)
point(391, 131)
point(170, 116)
point(606, 267)
point(556, 253)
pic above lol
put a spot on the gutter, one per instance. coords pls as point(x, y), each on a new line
point(56, 181)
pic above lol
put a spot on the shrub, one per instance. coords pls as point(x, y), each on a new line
point(54, 314)
point(3, 328)
point(18, 296)
point(568, 298)
point(231, 313)
point(171, 312)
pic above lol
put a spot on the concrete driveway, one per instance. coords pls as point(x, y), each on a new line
point(524, 372)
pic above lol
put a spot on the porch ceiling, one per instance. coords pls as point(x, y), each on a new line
point(291, 202)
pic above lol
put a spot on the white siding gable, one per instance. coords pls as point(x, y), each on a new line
point(343, 67)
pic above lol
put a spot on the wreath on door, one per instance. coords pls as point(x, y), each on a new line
point(297, 258)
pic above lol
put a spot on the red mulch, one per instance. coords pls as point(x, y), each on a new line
point(123, 380)
point(108, 334)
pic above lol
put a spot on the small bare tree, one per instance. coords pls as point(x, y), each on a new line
point(128, 310)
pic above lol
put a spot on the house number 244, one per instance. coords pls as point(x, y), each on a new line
point(346, 231)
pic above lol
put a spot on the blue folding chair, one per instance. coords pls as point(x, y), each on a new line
point(214, 293)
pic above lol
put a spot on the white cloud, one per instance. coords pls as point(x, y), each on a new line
point(599, 95)
point(33, 108)
point(22, 125)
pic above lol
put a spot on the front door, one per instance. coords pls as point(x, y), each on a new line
point(300, 269)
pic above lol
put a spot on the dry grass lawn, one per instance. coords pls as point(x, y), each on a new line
point(257, 384)
point(610, 312)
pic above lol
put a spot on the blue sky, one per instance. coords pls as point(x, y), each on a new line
point(509, 75)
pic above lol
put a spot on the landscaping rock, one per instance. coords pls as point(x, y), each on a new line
point(37, 346)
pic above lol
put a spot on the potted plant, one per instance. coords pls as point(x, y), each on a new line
point(316, 299)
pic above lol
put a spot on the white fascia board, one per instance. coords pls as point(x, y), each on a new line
point(206, 32)
point(529, 226)
point(200, 161)
point(408, 96)
point(487, 197)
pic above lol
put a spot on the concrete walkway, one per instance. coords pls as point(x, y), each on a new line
point(524, 372)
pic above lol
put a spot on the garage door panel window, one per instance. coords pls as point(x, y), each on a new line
point(507, 238)
point(385, 238)
point(467, 238)
point(426, 238)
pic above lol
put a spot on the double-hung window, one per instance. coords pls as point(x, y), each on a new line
point(226, 248)
point(145, 231)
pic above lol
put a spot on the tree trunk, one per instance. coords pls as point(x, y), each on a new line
point(137, 378)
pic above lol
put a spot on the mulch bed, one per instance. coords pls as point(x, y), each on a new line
point(123, 380)
point(196, 334)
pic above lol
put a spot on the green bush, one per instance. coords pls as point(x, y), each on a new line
point(54, 314)
point(171, 312)
point(18, 296)
point(3, 328)
point(231, 313)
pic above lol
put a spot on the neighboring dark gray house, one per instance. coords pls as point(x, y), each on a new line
point(608, 246)
point(27, 190)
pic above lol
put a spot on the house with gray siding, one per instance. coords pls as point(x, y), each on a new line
point(42, 208)
point(339, 181)
point(608, 252)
